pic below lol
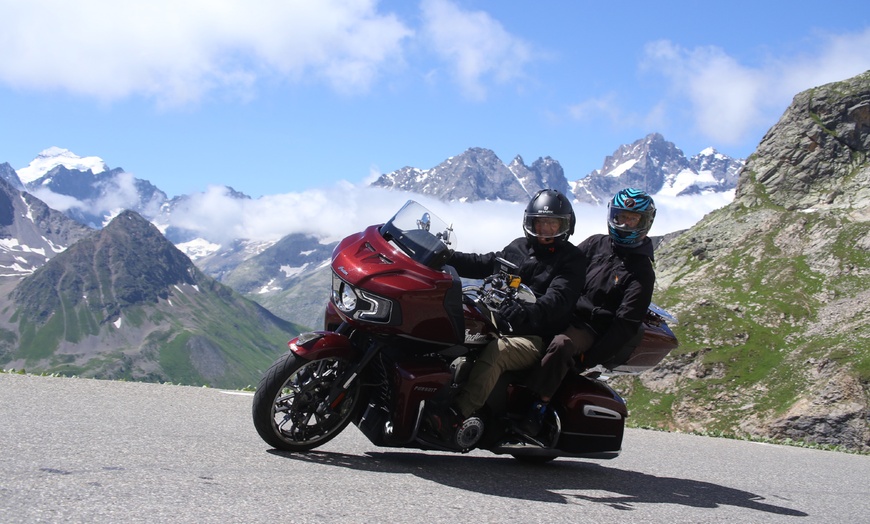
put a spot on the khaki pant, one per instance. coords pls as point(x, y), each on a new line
point(500, 355)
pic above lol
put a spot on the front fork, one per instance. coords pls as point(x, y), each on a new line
point(324, 344)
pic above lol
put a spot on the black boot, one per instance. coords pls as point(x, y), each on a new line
point(443, 421)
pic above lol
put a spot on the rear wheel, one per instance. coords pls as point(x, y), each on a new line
point(290, 408)
point(534, 459)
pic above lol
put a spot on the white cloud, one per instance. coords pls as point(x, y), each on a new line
point(330, 214)
point(178, 50)
point(57, 201)
point(116, 194)
point(344, 209)
point(731, 101)
point(839, 57)
point(676, 213)
point(725, 97)
point(475, 46)
point(611, 109)
point(593, 109)
point(119, 192)
point(333, 213)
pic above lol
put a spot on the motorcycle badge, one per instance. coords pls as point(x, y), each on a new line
point(474, 338)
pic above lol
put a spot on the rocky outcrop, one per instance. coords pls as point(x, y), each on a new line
point(30, 232)
point(816, 156)
point(476, 174)
point(772, 290)
point(658, 167)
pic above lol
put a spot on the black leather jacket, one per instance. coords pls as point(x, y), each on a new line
point(617, 292)
point(554, 275)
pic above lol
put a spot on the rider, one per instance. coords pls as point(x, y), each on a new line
point(553, 268)
point(610, 311)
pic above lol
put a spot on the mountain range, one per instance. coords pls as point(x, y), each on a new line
point(254, 268)
point(651, 163)
point(123, 302)
point(771, 290)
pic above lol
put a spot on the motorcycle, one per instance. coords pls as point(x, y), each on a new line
point(401, 333)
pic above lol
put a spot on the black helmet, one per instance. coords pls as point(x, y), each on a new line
point(549, 203)
point(634, 201)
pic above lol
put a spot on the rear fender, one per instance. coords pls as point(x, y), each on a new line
point(322, 344)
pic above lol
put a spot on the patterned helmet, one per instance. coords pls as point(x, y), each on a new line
point(630, 216)
point(549, 203)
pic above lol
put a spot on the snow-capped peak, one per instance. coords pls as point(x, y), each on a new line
point(52, 157)
point(707, 152)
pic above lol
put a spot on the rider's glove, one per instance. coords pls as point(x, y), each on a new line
point(513, 312)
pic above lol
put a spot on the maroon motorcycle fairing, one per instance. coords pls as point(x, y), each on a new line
point(426, 301)
point(323, 344)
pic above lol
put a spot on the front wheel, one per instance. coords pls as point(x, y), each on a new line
point(290, 406)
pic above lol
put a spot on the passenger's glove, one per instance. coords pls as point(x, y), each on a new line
point(584, 307)
point(513, 312)
point(589, 312)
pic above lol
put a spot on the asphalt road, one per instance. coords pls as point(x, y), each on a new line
point(80, 450)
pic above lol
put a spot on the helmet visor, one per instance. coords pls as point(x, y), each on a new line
point(547, 225)
point(625, 220)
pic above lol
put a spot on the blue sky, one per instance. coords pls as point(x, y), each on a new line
point(283, 97)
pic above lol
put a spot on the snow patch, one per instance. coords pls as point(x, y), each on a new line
point(12, 244)
point(29, 214)
point(198, 248)
point(622, 168)
point(53, 246)
point(674, 184)
point(290, 271)
point(15, 270)
point(110, 215)
point(268, 288)
point(52, 157)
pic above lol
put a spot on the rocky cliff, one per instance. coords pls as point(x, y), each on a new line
point(773, 291)
point(30, 232)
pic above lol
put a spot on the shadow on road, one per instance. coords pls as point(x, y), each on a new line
point(619, 489)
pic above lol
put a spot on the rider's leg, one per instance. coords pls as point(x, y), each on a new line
point(500, 355)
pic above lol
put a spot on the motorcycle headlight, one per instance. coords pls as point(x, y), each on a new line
point(360, 304)
point(345, 298)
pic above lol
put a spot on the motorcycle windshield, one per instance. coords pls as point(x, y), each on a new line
point(421, 235)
